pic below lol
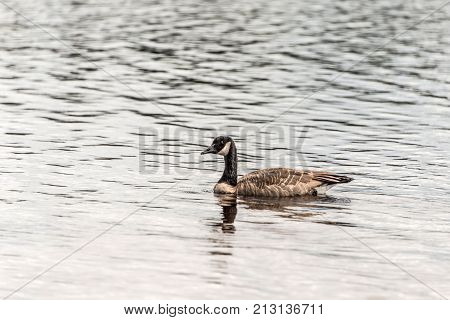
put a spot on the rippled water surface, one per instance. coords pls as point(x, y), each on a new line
point(106, 106)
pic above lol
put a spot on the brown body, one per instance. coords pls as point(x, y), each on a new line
point(282, 182)
point(274, 182)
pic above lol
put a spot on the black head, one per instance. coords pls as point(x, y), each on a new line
point(220, 145)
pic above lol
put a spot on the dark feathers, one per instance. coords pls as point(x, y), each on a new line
point(285, 182)
point(274, 182)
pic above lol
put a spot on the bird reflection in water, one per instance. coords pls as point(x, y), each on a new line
point(308, 207)
point(291, 208)
point(229, 211)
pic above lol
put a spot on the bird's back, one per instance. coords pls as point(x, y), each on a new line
point(285, 182)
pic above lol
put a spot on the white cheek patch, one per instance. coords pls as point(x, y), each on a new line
point(225, 149)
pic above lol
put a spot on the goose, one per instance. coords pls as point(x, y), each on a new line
point(272, 182)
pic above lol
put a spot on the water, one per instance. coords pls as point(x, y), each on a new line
point(179, 72)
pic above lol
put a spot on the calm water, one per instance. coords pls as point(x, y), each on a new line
point(175, 74)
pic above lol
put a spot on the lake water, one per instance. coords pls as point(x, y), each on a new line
point(106, 106)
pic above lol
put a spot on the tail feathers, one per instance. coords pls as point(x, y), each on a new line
point(331, 178)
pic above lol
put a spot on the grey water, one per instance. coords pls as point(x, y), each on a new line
point(105, 107)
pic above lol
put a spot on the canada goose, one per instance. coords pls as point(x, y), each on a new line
point(273, 182)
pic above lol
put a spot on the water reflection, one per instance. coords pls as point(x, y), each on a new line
point(229, 211)
point(288, 204)
point(313, 208)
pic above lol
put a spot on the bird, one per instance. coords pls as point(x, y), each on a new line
point(271, 182)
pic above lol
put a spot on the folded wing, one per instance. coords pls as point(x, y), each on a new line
point(285, 182)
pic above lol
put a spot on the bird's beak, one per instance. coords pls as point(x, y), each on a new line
point(208, 150)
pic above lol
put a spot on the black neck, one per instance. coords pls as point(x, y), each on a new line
point(230, 172)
